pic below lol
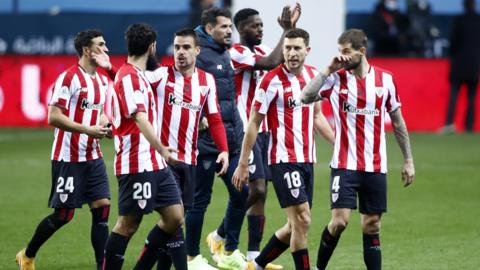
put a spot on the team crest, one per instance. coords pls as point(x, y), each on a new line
point(260, 95)
point(252, 168)
point(142, 203)
point(204, 90)
point(334, 197)
point(295, 192)
point(63, 197)
point(379, 91)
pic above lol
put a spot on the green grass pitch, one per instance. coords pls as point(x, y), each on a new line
point(434, 224)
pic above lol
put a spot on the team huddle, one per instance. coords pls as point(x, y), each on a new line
point(242, 111)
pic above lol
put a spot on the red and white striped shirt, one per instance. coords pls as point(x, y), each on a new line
point(290, 122)
point(359, 107)
point(132, 93)
point(246, 78)
point(180, 101)
point(82, 97)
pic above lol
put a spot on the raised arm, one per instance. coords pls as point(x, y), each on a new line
point(287, 21)
point(310, 92)
point(401, 135)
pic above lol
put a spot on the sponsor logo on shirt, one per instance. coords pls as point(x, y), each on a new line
point(173, 100)
point(349, 108)
point(86, 105)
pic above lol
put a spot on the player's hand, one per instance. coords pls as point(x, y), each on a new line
point(295, 14)
point(284, 20)
point(408, 172)
point(240, 176)
point(166, 153)
point(102, 60)
point(109, 131)
point(203, 125)
point(223, 159)
point(338, 62)
point(97, 132)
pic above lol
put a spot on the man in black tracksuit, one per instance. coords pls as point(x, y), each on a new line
point(215, 39)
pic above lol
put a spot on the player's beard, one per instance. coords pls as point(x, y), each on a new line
point(252, 40)
point(352, 66)
point(152, 63)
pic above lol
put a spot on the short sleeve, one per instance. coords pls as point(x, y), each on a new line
point(212, 102)
point(242, 57)
point(264, 95)
point(393, 99)
point(133, 99)
point(62, 91)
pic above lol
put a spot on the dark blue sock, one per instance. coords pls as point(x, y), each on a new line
point(328, 243)
point(156, 239)
point(221, 229)
point(193, 227)
point(47, 227)
point(271, 251)
point(99, 231)
point(372, 254)
point(301, 260)
point(256, 224)
point(176, 251)
point(115, 251)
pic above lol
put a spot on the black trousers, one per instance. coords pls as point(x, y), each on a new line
point(472, 92)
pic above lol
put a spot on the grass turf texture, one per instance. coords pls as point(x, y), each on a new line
point(433, 224)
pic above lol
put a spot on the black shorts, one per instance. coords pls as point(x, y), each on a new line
point(76, 183)
point(293, 183)
point(141, 193)
point(370, 187)
point(185, 177)
point(258, 160)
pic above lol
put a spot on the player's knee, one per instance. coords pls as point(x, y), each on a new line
point(338, 225)
point(302, 222)
point(126, 226)
point(260, 192)
point(371, 226)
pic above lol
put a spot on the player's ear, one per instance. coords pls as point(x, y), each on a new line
point(209, 28)
point(86, 51)
point(363, 50)
point(308, 49)
point(197, 50)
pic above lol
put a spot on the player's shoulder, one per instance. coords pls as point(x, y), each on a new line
point(381, 70)
point(263, 49)
point(67, 76)
point(237, 47)
point(271, 77)
point(311, 69)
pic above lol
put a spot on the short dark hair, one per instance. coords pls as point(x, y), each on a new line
point(138, 37)
point(187, 32)
point(210, 15)
point(84, 39)
point(242, 15)
point(299, 33)
point(354, 36)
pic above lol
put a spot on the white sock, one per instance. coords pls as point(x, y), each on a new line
point(217, 237)
point(251, 255)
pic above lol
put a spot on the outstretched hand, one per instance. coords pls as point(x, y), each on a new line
point(289, 18)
